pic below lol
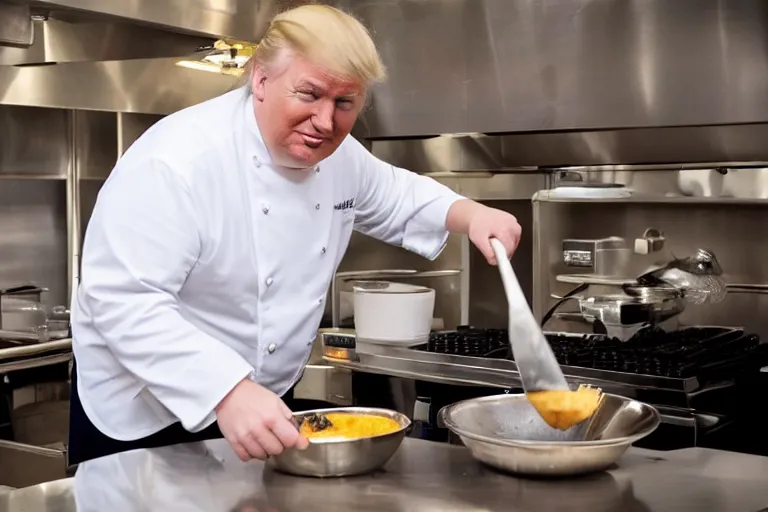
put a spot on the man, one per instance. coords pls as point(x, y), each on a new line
point(212, 245)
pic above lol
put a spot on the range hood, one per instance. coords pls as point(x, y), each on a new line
point(48, 33)
point(236, 19)
point(39, 33)
point(126, 55)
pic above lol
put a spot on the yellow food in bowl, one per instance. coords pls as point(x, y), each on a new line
point(351, 426)
point(564, 409)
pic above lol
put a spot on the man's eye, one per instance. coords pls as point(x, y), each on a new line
point(344, 104)
point(307, 95)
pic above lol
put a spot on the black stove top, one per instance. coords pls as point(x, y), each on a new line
point(689, 352)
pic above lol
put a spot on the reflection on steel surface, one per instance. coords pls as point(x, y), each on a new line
point(422, 475)
point(15, 24)
point(501, 66)
point(59, 41)
point(675, 148)
point(115, 86)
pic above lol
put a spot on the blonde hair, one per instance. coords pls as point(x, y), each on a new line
point(325, 36)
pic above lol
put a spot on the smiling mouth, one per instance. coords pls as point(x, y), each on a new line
point(312, 141)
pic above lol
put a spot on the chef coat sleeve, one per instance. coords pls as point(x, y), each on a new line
point(400, 207)
point(141, 243)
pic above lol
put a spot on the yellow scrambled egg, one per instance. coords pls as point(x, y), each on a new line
point(564, 409)
point(352, 426)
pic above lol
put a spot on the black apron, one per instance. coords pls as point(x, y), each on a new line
point(87, 442)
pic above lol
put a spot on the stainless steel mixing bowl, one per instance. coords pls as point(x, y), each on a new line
point(506, 432)
point(344, 457)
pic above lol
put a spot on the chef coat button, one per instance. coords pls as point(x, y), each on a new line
point(268, 281)
point(271, 348)
point(256, 161)
point(317, 169)
point(317, 206)
point(265, 209)
point(322, 251)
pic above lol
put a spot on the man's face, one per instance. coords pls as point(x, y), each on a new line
point(303, 111)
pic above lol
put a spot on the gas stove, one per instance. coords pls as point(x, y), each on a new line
point(703, 380)
point(702, 352)
point(682, 368)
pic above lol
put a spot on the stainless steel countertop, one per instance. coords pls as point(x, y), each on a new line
point(423, 476)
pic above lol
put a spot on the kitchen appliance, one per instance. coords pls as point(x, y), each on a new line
point(626, 291)
point(24, 317)
point(393, 313)
point(703, 380)
point(698, 277)
point(506, 432)
point(342, 295)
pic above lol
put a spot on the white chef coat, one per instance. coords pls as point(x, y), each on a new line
point(204, 263)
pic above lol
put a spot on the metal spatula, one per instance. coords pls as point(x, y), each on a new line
point(538, 368)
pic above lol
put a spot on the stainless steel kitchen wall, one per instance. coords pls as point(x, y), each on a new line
point(542, 69)
point(34, 165)
point(531, 65)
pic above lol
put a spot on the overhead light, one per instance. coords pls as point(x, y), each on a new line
point(228, 58)
point(199, 66)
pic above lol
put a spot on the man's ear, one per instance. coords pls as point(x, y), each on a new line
point(258, 83)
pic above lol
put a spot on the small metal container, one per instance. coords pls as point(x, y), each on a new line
point(334, 457)
point(506, 432)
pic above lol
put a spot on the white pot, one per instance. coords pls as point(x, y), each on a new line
point(393, 313)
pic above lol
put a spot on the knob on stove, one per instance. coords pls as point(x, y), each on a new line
point(338, 341)
point(339, 346)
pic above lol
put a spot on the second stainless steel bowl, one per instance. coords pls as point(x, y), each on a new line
point(335, 457)
point(506, 432)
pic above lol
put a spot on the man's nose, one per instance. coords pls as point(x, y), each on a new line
point(323, 118)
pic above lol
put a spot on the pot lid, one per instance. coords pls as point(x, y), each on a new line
point(388, 287)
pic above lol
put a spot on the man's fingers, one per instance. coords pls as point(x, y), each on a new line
point(302, 443)
point(510, 243)
point(240, 451)
point(286, 433)
point(484, 246)
point(253, 448)
point(269, 442)
point(286, 410)
point(515, 234)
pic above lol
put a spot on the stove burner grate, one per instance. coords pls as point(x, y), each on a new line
point(690, 352)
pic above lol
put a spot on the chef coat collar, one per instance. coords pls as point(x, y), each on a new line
point(253, 130)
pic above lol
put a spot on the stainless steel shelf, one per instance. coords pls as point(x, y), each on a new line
point(452, 369)
point(35, 350)
point(31, 176)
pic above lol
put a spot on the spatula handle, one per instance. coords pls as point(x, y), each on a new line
point(515, 295)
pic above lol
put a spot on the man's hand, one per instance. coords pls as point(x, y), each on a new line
point(482, 223)
point(257, 423)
